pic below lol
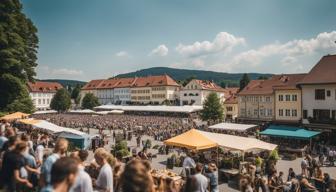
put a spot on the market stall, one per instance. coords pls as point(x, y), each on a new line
point(14, 116)
point(294, 140)
point(233, 127)
point(76, 138)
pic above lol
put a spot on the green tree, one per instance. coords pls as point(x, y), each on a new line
point(244, 81)
point(89, 101)
point(61, 101)
point(212, 108)
point(18, 56)
point(75, 92)
point(14, 95)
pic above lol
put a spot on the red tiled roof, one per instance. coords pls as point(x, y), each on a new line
point(209, 85)
point(323, 72)
point(231, 91)
point(288, 81)
point(125, 82)
point(266, 87)
point(152, 81)
point(46, 87)
point(231, 100)
point(93, 84)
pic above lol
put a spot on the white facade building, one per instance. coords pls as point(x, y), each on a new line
point(319, 92)
point(41, 93)
point(196, 91)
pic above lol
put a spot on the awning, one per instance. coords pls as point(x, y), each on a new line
point(191, 139)
point(233, 127)
point(13, 116)
point(289, 132)
point(238, 143)
point(196, 139)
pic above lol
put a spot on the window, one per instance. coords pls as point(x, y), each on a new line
point(280, 97)
point(256, 112)
point(287, 112)
point(185, 94)
point(294, 112)
point(287, 97)
point(280, 112)
point(319, 94)
point(39, 101)
point(268, 99)
point(294, 97)
point(243, 112)
point(262, 112)
point(328, 93)
point(229, 108)
point(305, 114)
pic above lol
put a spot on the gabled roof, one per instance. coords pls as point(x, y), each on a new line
point(125, 82)
point(46, 87)
point(108, 84)
point(323, 72)
point(267, 87)
point(231, 100)
point(288, 81)
point(93, 84)
point(152, 81)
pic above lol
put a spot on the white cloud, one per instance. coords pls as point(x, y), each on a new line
point(322, 43)
point(161, 50)
point(47, 72)
point(223, 42)
point(122, 54)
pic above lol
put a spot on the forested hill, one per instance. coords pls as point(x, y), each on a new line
point(230, 79)
point(66, 83)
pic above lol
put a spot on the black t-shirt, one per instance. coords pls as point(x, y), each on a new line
point(11, 161)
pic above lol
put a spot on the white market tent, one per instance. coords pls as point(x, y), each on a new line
point(82, 139)
point(233, 127)
point(110, 112)
point(82, 111)
point(233, 142)
point(152, 108)
point(44, 112)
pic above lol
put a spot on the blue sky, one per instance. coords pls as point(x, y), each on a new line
point(86, 39)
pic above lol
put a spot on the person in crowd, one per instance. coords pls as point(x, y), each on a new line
point(202, 182)
point(39, 151)
point(291, 174)
point(307, 187)
point(60, 149)
point(273, 181)
point(245, 185)
point(83, 181)
point(63, 175)
point(13, 164)
point(136, 177)
point(304, 167)
point(104, 180)
point(188, 164)
point(213, 177)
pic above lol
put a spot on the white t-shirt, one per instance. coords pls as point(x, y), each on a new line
point(189, 163)
point(39, 153)
point(83, 182)
point(202, 182)
point(105, 178)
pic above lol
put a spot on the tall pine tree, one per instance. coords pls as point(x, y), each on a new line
point(244, 81)
point(212, 108)
point(18, 49)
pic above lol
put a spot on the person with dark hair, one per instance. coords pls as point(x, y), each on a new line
point(136, 177)
point(63, 175)
point(191, 185)
point(13, 163)
point(83, 181)
point(201, 181)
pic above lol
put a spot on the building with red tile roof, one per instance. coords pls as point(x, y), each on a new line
point(42, 92)
point(319, 93)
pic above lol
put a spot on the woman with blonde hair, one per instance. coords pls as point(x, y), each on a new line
point(104, 180)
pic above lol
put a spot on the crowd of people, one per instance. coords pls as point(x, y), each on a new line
point(159, 127)
point(35, 161)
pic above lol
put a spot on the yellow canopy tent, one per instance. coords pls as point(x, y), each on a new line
point(29, 121)
point(191, 139)
point(13, 116)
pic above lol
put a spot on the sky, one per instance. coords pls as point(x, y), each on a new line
point(86, 39)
